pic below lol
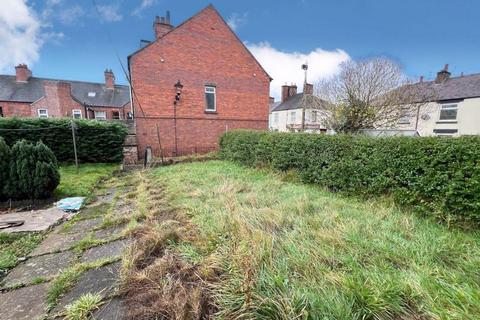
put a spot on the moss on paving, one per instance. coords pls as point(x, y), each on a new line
point(289, 251)
point(16, 245)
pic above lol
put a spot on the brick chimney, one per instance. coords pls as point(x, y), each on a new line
point(308, 88)
point(162, 25)
point(443, 75)
point(288, 91)
point(22, 73)
point(109, 79)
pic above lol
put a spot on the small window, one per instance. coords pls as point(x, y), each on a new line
point(314, 116)
point(276, 117)
point(77, 114)
point(92, 94)
point(115, 115)
point(1, 112)
point(293, 116)
point(100, 115)
point(448, 112)
point(210, 98)
point(42, 113)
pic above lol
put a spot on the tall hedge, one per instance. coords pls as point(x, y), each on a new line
point(438, 176)
point(97, 141)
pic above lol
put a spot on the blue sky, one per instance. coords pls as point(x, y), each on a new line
point(68, 39)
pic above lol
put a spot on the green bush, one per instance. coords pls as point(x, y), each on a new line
point(97, 141)
point(33, 172)
point(437, 176)
point(4, 167)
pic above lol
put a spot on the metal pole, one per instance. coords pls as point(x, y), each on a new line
point(175, 126)
point(159, 144)
point(74, 144)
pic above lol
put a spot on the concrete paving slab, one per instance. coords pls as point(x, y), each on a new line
point(45, 266)
point(26, 303)
point(34, 221)
point(109, 232)
point(85, 226)
point(56, 242)
point(113, 309)
point(103, 281)
point(107, 251)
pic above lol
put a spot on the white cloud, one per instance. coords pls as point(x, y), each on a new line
point(143, 5)
point(71, 15)
point(20, 35)
point(109, 13)
point(285, 67)
point(237, 20)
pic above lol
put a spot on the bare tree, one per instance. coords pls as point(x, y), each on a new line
point(369, 94)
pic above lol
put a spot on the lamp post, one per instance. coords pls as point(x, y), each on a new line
point(178, 91)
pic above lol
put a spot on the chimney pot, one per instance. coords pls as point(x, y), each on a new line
point(443, 75)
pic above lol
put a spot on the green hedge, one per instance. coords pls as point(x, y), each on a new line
point(97, 141)
point(438, 176)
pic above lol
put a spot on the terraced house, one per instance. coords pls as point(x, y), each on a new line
point(194, 82)
point(22, 95)
point(454, 109)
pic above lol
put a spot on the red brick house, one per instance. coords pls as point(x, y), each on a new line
point(23, 95)
point(194, 82)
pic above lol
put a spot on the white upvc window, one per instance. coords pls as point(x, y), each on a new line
point(42, 113)
point(276, 117)
point(293, 117)
point(448, 112)
point(100, 115)
point(77, 114)
point(314, 116)
point(210, 98)
point(404, 117)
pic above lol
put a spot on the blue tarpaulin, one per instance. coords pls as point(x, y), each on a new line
point(70, 204)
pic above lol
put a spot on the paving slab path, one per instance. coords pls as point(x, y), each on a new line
point(85, 243)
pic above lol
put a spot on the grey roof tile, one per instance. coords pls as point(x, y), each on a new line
point(33, 89)
point(453, 88)
point(296, 102)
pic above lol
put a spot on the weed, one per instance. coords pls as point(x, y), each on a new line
point(82, 308)
point(14, 246)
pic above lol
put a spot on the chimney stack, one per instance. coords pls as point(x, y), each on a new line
point(308, 88)
point(162, 25)
point(288, 91)
point(22, 73)
point(421, 79)
point(443, 75)
point(109, 79)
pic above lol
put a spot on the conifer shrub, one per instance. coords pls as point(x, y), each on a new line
point(4, 167)
point(33, 172)
point(436, 176)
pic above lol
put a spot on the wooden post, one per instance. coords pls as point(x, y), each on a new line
point(159, 144)
point(74, 144)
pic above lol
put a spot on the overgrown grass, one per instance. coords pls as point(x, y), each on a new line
point(83, 182)
point(294, 251)
point(16, 245)
point(82, 308)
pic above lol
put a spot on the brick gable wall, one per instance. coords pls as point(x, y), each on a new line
point(201, 51)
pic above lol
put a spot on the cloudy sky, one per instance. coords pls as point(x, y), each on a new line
point(73, 39)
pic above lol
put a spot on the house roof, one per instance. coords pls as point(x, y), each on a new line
point(453, 88)
point(33, 89)
point(298, 101)
point(210, 6)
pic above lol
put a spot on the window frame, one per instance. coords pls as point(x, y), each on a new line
point(447, 107)
point(1, 112)
point(100, 119)
point(41, 116)
point(314, 116)
point(276, 118)
point(118, 114)
point(293, 117)
point(77, 111)
point(209, 86)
